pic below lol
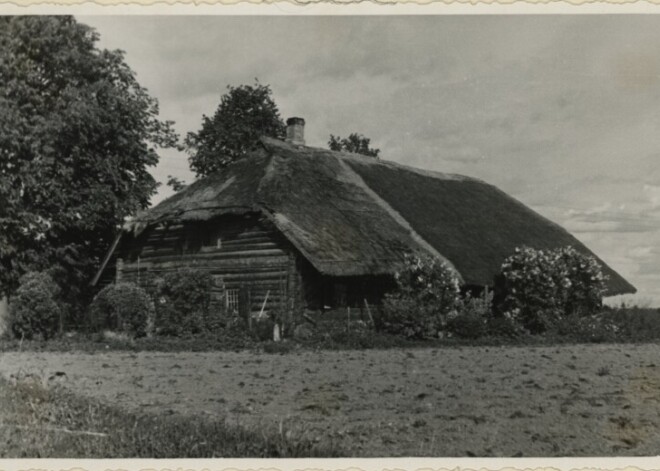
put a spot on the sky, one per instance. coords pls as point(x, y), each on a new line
point(561, 112)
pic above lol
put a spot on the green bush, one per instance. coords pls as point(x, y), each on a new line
point(502, 325)
point(35, 310)
point(470, 320)
point(122, 307)
point(634, 323)
point(281, 347)
point(183, 303)
point(262, 329)
point(427, 292)
point(593, 329)
point(540, 287)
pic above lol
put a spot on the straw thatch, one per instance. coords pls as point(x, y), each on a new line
point(351, 215)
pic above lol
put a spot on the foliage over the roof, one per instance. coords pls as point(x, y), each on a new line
point(353, 215)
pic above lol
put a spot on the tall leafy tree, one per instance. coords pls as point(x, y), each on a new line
point(355, 144)
point(245, 113)
point(175, 183)
point(77, 137)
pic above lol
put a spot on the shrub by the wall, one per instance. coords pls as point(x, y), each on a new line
point(594, 328)
point(262, 329)
point(636, 324)
point(122, 307)
point(540, 287)
point(183, 303)
point(583, 294)
point(528, 289)
point(471, 316)
point(427, 292)
point(35, 310)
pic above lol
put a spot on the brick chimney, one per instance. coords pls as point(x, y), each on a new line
point(295, 131)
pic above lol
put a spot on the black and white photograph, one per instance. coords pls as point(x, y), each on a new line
point(357, 236)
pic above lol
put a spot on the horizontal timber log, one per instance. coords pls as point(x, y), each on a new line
point(227, 248)
point(160, 252)
point(247, 234)
point(164, 237)
point(255, 287)
point(250, 275)
point(268, 256)
point(214, 266)
point(226, 255)
point(249, 240)
point(239, 269)
point(161, 239)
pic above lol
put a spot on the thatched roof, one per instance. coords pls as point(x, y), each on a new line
point(355, 215)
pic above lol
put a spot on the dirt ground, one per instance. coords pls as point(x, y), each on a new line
point(469, 401)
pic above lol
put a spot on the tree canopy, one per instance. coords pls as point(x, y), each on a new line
point(245, 113)
point(175, 183)
point(355, 144)
point(77, 136)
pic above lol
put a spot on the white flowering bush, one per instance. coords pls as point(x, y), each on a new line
point(427, 294)
point(540, 287)
point(584, 293)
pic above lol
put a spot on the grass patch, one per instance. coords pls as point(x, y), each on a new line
point(39, 422)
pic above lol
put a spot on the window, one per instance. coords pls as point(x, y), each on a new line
point(231, 300)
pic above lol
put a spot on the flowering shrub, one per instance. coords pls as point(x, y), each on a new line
point(586, 282)
point(542, 286)
point(34, 309)
point(183, 303)
point(122, 307)
point(427, 292)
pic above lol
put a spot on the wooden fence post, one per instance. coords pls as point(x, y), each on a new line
point(366, 304)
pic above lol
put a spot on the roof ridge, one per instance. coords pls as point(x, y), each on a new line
point(420, 171)
point(267, 142)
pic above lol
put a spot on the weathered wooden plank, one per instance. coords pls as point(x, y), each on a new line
point(164, 237)
point(226, 248)
point(214, 266)
point(229, 241)
point(238, 269)
point(247, 234)
point(251, 275)
point(269, 253)
point(261, 287)
point(197, 261)
point(160, 240)
point(162, 251)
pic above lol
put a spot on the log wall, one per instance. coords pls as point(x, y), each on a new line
point(251, 257)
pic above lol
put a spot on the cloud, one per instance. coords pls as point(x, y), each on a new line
point(607, 218)
point(653, 193)
point(643, 252)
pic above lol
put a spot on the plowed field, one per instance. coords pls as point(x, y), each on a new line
point(483, 401)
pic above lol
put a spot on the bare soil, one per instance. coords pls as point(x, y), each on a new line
point(476, 401)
